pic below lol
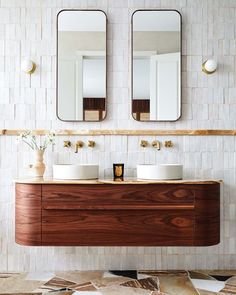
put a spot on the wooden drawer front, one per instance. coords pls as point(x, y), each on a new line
point(106, 196)
point(28, 214)
point(117, 228)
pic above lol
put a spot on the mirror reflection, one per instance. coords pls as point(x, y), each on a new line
point(156, 65)
point(81, 65)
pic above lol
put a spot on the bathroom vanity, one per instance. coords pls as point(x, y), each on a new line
point(108, 213)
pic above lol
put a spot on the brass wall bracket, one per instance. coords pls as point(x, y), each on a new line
point(144, 143)
point(168, 144)
point(156, 144)
point(67, 143)
point(91, 143)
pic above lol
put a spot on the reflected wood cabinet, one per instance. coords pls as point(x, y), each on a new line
point(118, 215)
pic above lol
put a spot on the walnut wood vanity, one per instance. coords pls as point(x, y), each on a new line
point(107, 213)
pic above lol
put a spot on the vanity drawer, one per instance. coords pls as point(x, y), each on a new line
point(117, 228)
point(103, 196)
point(118, 214)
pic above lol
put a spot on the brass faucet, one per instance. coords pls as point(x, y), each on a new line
point(78, 145)
point(156, 144)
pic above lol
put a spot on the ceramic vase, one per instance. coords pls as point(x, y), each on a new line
point(39, 166)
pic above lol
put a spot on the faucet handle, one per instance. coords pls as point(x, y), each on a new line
point(168, 144)
point(143, 143)
point(91, 143)
point(67, 143)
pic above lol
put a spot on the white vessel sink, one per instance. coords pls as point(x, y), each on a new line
point(67, 171)
point(160, 172)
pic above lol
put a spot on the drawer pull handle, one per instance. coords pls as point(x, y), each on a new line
point(119, 207)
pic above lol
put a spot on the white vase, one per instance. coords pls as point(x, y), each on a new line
point(39, 166)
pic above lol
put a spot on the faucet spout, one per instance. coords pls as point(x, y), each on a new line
point(78, 145)
point(156, 144)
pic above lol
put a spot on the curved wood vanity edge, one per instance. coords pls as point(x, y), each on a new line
point(157, 214)
point(28, 216)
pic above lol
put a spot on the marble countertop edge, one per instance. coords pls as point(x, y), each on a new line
point(50, 180)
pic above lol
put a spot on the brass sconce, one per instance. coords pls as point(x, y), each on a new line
point(209, 66)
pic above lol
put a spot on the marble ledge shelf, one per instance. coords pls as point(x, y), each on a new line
point(110, 181)
point(136, 132)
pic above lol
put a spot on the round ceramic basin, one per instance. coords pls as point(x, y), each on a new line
point(82, 172)
point(160, 172)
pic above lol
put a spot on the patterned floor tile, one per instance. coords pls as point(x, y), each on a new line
point(59, 293)
point(133, 274)
point(151, 283)
point(208, 285)
point(229, 289)
point(117, 283)
point(17, 284)
point(21, 293)
point(200, 276)
point(121, 290)
point(84, 287)
point(173, 282)
point(80, 277)
point(107, 282)
point(57, 282)
point(231, 281)
point(204, 292)
point(39, 276)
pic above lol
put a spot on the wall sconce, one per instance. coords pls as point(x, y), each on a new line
point(209, 66)
point(28, 66)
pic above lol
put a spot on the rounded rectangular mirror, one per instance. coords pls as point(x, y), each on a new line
point(81, 65)
point(156, 65)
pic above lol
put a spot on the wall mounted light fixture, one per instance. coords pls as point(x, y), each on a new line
point(209, 66)
point(28, 66)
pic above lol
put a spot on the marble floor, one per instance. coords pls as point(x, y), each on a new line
point(119, 283)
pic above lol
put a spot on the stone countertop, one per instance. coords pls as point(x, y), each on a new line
point(111, 181)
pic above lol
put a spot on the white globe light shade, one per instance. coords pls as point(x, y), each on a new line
point(28, 66)
point(210, 65)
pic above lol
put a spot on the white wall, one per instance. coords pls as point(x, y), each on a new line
point(27, 28)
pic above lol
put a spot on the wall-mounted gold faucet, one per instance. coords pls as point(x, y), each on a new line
point(78, 145)
point(156, 144)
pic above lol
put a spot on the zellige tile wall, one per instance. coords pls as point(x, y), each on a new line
point(28, 29)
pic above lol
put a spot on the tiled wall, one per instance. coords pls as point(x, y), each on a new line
point(27, 28)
